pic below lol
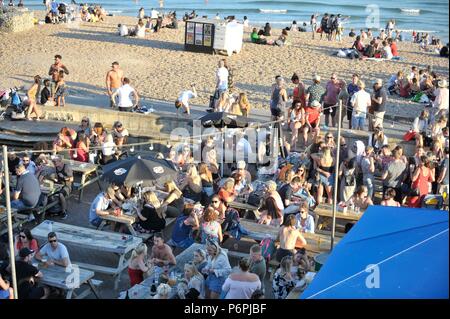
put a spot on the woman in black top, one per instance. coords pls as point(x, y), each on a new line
point(267, 30)
point(152, 215)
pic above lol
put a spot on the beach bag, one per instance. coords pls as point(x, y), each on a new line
point(416, 98)
point(267, 248)
point(409, 136)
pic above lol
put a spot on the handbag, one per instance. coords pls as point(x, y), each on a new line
point(409, 136)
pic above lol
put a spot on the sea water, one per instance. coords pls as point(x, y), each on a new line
point(420, 15)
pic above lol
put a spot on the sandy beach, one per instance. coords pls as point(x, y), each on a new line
point(160, 69)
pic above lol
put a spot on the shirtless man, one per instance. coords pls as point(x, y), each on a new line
point(161, 253)
point(54, 72)
point(114, 80)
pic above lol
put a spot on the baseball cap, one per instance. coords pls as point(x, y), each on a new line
point(315, 103)
point(117, 124)
point(241, 165)
point(24, 252)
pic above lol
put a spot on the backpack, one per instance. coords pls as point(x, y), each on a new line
point(267, 248)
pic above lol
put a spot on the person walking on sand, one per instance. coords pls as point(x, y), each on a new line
point(114, 80)
point(183, 99)
point(54, 72)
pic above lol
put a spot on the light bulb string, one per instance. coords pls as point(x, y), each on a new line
point(195, 137)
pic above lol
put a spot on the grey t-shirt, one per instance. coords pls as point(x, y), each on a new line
point(29, 189)
point(59, 253)
point(396, 172)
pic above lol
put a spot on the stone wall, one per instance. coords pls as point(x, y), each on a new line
point(16, 20)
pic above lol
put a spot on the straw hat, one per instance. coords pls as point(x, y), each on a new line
point(442, 83)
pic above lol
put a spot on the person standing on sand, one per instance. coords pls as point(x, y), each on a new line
point(54, 72)
point(222, 77)
point(114, 80)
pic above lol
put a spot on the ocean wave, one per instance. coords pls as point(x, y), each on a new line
point(273, 10)
point(410, 11)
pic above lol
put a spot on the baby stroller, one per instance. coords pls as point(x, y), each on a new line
point(15, 109)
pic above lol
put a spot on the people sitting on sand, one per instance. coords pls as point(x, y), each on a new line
point(352, 33)
point(267, 30)
point(282, 39)
point(123, 30)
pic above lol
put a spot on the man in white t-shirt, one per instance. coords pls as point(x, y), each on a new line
point(360, 102)
point(183, 99)
point(55, 252)
point(154, 14)
point(222, 77)
point(125, 92)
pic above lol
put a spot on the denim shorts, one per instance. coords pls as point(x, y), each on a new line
point(326, 181)
point(214, 283)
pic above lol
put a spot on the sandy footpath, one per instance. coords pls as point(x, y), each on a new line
point(160, 68)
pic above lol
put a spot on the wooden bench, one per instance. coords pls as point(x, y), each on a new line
point(95, 285)
point(237, 254)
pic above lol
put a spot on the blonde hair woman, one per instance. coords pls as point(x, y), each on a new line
point(163, 291)
point(195, 288)
point(273, 214)
point(152, 216)
point(174, 199)
point(324, 164)
point(137, 265)
point(283, 282)
point(207, 179)
point(192, 186)
point(235, 109)
point(244, 105)
point(217, 269)
point(227, 193)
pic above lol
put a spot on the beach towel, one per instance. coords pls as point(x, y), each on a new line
point(416, 98)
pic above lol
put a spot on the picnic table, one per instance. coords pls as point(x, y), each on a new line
point(119, 244)
point(138, 291)
point(88, 171)
point(51, 190)
point(4, 219)
point(68, 279)
point(326, 210)
point(316, 243)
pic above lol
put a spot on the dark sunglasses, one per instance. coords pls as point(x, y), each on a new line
point(330, 137)
point(52, 241)
point(215, 201)
point(83, 120)
point(22, 236)
point(26, 161)
point(342, 145)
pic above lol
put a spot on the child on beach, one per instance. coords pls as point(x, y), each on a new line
point(60, 90)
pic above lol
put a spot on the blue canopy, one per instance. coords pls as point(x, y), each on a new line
point(391, 252)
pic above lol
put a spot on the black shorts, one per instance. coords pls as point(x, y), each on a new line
point(66, 190)
point(125, 109)
point(276, 111)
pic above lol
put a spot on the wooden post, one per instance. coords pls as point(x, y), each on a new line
point(336, 172)
point(10, 230)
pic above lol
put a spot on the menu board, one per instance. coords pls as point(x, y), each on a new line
point(198, 34)
point(190, 33)
point(207, 35)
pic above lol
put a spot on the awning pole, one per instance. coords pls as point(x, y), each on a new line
point(336, 174)
point(10, 230)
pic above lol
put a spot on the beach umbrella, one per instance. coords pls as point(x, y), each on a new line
point(391, 253)
point(222, 120)
point(134, 170)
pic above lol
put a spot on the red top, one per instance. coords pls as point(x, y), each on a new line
point(420, 183)
point(394, 49)
point(33, 245)
point(82, 155)
point(136, 276)
point(299, 94)
point(313, 114)
point(225, 195)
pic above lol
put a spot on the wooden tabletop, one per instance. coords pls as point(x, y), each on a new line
point(316, 243)
point(66, 278)
point(51, 190)
point(88, 238)
point(240, 205)
point(122, 219)
point(326, 210)
point(81, 167)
